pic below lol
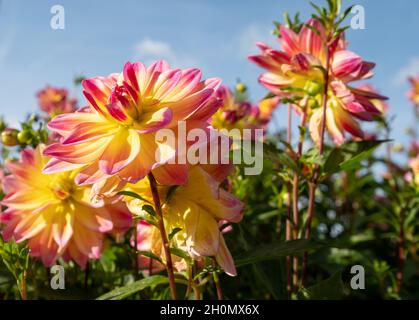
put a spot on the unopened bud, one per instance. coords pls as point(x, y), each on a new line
point(241, 87)
point(397, 147)
point(24, 136)
point(9, 137)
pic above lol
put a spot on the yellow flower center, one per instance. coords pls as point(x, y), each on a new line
point(62, 187)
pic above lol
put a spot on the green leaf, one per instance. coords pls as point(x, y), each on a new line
point(149, 209)
point(173, 232)
point(349, 155)
point(150, 255)
point(276, 250)
point(329, 289)
point(180, 253)
point(133, 195)
point(171, 192)
point(128, 290)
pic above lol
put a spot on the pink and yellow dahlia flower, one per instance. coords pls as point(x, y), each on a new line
point(116, 135)
point(55, 101)
point(55, 215)
point(413, 93)
point(295, 72)
point(196, 208)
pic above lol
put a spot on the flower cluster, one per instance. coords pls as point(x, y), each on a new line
point(299, 72)
point(63, 199)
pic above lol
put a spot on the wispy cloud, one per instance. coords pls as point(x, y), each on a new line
point(149, 50)
point(410, 69)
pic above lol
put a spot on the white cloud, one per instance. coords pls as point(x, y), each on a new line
point(149, 50)
point(254, 33)
point(411, 69)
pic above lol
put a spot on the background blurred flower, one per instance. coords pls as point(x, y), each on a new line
point(413, 93)
point(55, 101)
point(267, 107)
point(116, 136)
point(53, 213)
point(414, 166)
point(236, 112)
point(196, 209)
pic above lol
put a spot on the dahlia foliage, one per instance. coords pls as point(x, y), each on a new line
point(130, 189)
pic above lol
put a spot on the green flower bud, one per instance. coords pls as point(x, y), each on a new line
point(241, 87)
point(9, 137)
point(24, 136)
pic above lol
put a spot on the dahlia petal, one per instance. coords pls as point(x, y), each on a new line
point(97, 90)
point(117, 111)
point(99, 221)
point(82, 153)
point(205, 111)
point(88, 131)
point(344, 119)
point(225, 260)
point(187, 84)
point(56, 165)
point(203, 231)
point(89, 175)
point(310, 41)
point(166, 82)
point(266, 63)
point(154, 120)
point(345, 62)
point(29, 226)
point(65, 123)
point(75, 254)
point(183, 108)
point(232, 207)
point(171, 174)
point(62, 229)
point(120, 152)
point(315, 125)
point(333, 126)
point(289, 40)
point(89, 243)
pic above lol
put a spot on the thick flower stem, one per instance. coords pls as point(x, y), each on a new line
point(217, 285)
point(310, 213)
point(23, 292)
point(314, 181)
point(400, 254)
point(137, 267)
point(295, 197)
point(288, 229)
point(166, 246)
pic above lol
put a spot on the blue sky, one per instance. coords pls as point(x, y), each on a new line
point(214, 35)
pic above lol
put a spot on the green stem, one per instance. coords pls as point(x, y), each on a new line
point(166, 246)
point(313, 184)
